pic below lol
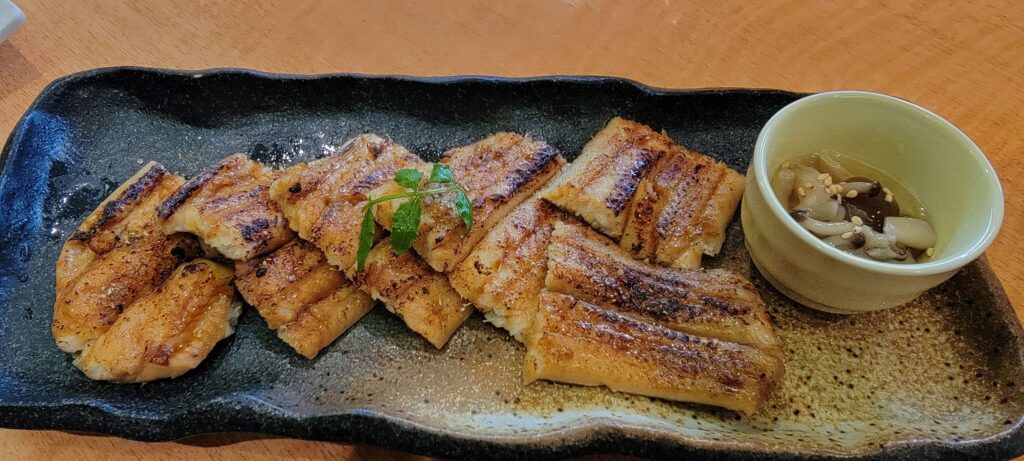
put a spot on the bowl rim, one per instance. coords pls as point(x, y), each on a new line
point(945, 264)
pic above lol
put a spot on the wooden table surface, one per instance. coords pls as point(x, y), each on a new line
point(965, 62)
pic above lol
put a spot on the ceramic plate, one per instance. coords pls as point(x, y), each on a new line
point(939, 378)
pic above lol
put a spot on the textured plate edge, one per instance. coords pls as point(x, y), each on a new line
point(366, 427)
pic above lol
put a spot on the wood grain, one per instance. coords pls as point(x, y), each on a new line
point(965, 62)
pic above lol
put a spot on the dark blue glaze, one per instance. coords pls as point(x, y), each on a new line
point(44, 147)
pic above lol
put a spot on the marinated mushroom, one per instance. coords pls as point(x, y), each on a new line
point(856, 214)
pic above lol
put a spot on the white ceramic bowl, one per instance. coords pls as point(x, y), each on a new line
point(927, 155)
point(10, 18)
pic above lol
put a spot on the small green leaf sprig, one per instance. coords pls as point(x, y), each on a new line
point(406, 220)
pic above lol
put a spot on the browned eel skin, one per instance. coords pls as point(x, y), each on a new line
point(421, 296)
point(308, 301)
point(599, 185)
point(577, 342)
point(505, 272)
point(228, 206)
point(714, 303)
point(323, 200)
point(116, 256)
point(682, 208)
point(499, 172)
point(152, 178)
point(170, 330)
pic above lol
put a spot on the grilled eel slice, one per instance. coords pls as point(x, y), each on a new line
point(228, 206)
point(578, 342)
point(324, 202)
point(323, 199)
point(599, 185)
point(116, 256)
point(713, 304)
point(419, 295)
point(168, 331)
point(308, 301)
point(682, 208)
point(504, 273)
point(660, 200)
point(499, 172)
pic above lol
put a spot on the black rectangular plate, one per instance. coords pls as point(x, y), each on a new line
point(939, 378)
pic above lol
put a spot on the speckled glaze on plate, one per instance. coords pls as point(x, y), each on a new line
point(939, 378)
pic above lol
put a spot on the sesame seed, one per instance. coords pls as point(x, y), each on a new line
point(832, 190)
point(839, 188)
point(887, 191)
point(847, 235)
point(857, 229)
point(930, 252)
point(808, 185)
point(821, 177)
point(851, 193)
point(828, 181)
point(888, 198)
point(857, 221)
point(800, 191)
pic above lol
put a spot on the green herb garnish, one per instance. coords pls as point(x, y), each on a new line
point(406, 221)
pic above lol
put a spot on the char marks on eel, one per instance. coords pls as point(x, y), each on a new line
point(682, 208)
point(324, 199)
point(590, 310)
point(599, 185)
point(504, 273)
point(658, 199)
point(228, 206)
point(714, 303)
point(129, 304)
point(116, 256)
point(577, 342)
point(324, 202)
point(306, 300)
point(169, 331)
point(498, 172)
point(421, 296)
